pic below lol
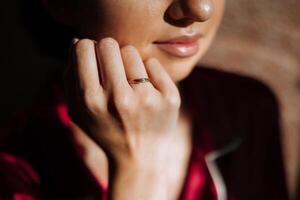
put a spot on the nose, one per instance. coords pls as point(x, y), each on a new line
point(190, 10)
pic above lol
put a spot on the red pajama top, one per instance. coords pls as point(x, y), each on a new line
point(40, 160)
point(21, 181)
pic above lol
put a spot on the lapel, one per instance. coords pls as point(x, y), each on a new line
point(240, 116)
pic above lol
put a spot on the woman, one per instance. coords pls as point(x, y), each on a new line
point(271, 57)
point(138, 111)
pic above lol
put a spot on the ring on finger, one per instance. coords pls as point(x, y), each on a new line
point(139, 80)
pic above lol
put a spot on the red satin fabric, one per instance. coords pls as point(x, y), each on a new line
point(21, 180)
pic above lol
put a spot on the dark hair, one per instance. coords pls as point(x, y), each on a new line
point(48, 34)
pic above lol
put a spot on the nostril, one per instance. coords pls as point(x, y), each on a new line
point(175, 15)
point(185, 12)
point(175, 11)
point(180, 22)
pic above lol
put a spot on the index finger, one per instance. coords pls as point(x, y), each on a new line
point(112, 67)
point(86, 67)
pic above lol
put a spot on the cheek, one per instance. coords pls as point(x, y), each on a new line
point(129, 22)
point(219, 11)
point(139, 23)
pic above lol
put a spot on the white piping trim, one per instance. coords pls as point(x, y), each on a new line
point(214, 170)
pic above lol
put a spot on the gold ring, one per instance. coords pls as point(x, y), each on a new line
point(139, 80)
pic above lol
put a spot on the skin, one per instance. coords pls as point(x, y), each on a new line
point(271, 57)
point(142, 129)
point(97, 19)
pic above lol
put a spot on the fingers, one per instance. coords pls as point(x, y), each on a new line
point(162, 81)
point(109, 57)
point(134, 66)
point(116, 67)
point(83, 90)
point(159, 77)
point(86, 63)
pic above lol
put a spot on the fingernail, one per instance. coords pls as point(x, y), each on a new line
point(75, 40)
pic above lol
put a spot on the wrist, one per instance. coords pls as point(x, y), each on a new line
point(137, 169)
point(137, 181)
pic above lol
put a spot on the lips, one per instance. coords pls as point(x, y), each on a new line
point(183, 46)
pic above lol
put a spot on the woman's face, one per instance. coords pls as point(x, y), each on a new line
point(176, 32)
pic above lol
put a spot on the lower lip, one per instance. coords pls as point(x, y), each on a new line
point(179, 49)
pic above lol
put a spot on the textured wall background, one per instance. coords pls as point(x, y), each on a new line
point(258, 35)
point(261, 39)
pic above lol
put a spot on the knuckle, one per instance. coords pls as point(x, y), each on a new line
point(124, 104)
point(149, 102)
point(173, 99)
point(93, 103)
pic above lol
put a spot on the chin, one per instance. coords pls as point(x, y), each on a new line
point(180, 70)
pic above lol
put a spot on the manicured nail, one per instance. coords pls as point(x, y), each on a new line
point(75, 40)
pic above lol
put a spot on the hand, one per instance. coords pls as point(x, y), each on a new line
point(133, 123)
